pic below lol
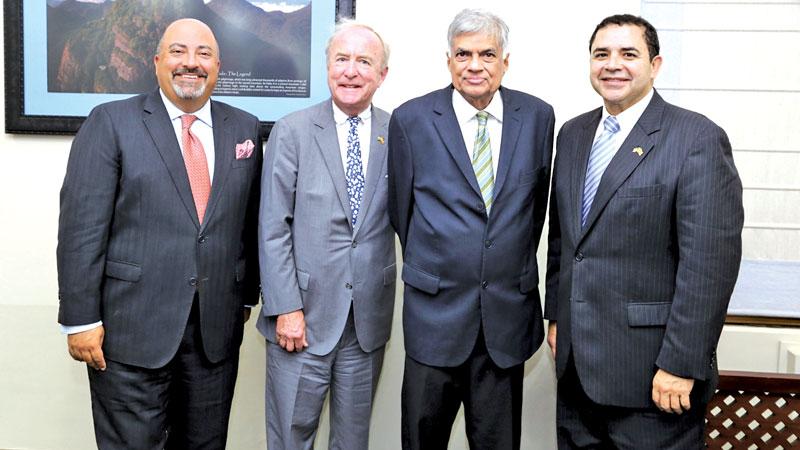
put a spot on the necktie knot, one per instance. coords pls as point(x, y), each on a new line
point(187, 120)
point(611, 124)
point(482, 116)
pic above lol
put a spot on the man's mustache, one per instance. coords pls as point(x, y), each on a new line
point(199, 72)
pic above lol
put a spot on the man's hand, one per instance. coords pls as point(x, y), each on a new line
point(291, 331)
point(87, 346)
point(671, 393)
point(552, 331)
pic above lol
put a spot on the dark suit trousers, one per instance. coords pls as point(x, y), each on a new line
point(183, 405)
point(584, 424)
point(492, 400)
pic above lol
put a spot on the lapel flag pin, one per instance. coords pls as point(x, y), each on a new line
point(638, 151)
point(380, 139)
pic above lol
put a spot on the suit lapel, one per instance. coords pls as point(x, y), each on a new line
point(583, 145)
point(449, 131)
point(511, 127)
point(377, 160)
point(327, 142)
point(626, 160)
point(223, 155)
point(159, 126)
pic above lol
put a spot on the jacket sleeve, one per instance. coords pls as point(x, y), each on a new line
point(87, 208)
point(252, 287)
point(540, 199)
point(553, 246)
point(401, 179)
point(276, 246)
point(709, 218)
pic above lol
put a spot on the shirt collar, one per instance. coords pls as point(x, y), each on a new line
point(203, 114)
point(340, 117)
point(628, 118)
point(466, 112)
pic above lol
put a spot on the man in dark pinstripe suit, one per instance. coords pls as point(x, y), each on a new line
point(642, 261)
point(158, 258)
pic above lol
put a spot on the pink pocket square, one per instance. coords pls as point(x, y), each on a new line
point(245, 149)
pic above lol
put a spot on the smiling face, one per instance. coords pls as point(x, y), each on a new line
point(476, 67)
point(620, 68)
point(187, 64)
point(355, 69)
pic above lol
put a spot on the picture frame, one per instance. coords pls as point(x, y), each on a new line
point(34, 106)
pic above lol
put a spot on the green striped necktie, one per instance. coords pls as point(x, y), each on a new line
point(482, 161)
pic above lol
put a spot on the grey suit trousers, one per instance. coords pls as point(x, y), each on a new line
point(298, 382)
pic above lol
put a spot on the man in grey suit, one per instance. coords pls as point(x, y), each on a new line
point(644, 249)
point(327, 252)
point(471, 312)
point(156, 251)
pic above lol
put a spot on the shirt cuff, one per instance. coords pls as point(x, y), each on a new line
point(79, 328)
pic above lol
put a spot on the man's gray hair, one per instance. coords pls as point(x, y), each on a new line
point(349, 24)
point(478, 21)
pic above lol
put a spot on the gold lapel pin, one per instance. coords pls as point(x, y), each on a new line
point(638, 151)
point(380, 139)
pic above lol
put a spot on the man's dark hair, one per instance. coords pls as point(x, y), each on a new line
point(650, 35)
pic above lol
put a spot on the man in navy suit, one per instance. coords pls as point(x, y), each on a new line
point(157, 251)
point(469, 167)
point(644, 249)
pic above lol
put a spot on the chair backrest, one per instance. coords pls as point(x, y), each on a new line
point(754, 410)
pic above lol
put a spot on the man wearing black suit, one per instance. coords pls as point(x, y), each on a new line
point(468, 175)
point(157, 252)
point(644, 249)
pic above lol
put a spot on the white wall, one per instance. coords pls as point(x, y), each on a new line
point(737, 62)
point(45, 399)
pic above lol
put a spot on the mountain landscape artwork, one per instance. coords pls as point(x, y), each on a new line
point(105, 46)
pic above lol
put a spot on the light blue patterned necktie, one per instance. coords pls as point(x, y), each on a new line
point(355, 172)
point(602, 151)
point(482, 161)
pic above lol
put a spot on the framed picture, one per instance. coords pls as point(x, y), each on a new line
point(64, 57)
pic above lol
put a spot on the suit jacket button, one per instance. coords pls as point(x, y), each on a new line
point(193, 281)
point(579, 257)
point(485, 284)
point(487, 243)
point(348, 286)
point(201, 239)
point(354, 244)
point(481, 207)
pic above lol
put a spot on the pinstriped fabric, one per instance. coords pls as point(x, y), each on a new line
point(602, 152)
point(196, 165)
point(133, 140)
point(482, 160)
point(657, 268)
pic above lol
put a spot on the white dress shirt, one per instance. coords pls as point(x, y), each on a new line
point(468, 122)
point(202, 128)
point(363, 130)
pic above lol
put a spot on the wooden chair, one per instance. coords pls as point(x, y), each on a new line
point(754, 410)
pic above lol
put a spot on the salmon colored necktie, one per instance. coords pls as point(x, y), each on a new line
point(196, 166)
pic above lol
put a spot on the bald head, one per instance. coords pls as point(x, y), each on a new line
point(187, 63)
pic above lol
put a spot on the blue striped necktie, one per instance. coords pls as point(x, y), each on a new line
point(603, 150)
point(482, 161)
